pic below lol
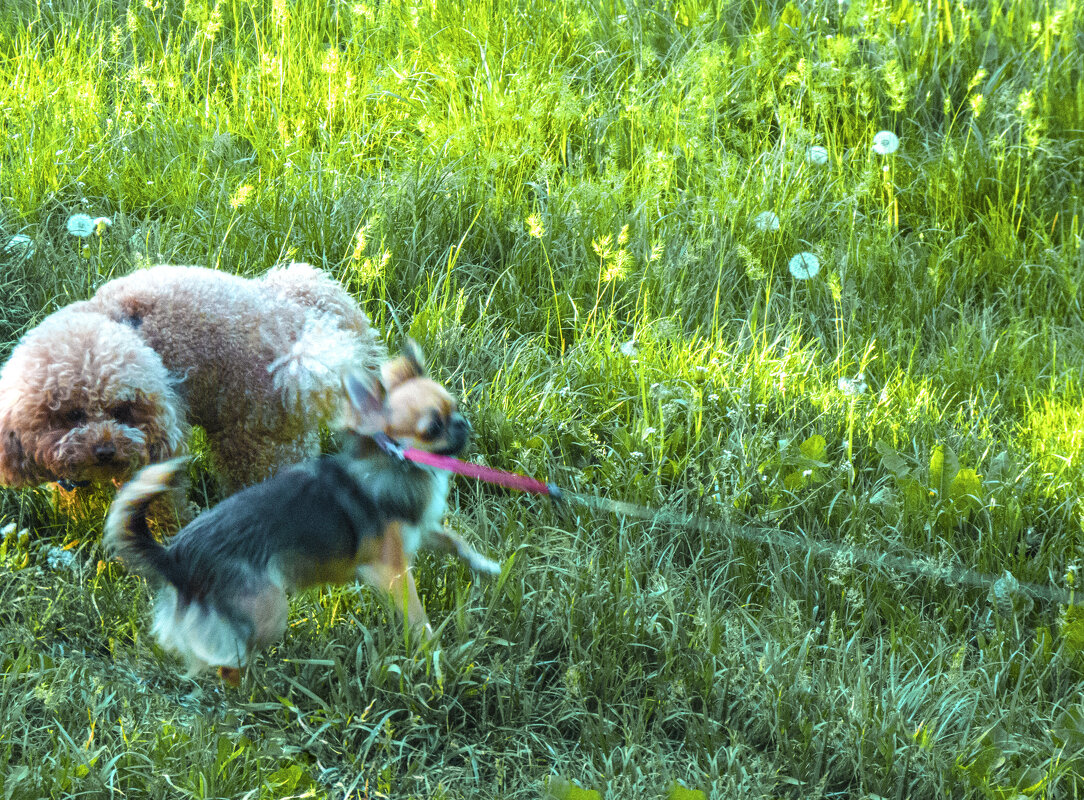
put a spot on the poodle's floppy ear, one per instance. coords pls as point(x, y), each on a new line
point(366, 404)
point(407, 365)
point(14, 469)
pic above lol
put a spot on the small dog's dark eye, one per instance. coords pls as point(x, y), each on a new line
point(435, 428)
point(122, 412)
point(75, 416)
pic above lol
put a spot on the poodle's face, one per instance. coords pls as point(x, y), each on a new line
point(82, 398)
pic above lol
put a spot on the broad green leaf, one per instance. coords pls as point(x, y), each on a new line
point(966, 491)
point(1068, 730)
point(564, 789)
point(914, 493)
point(814, 448)
point(285, 780)
point(943, 468)
point(1000, 468)
point(892, 461)
point(1072, 629)
point(680, 792)
point(790, 16)
point(795, 481)
point(1028, 780)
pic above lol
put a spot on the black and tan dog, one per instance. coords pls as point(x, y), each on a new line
point(226, 577)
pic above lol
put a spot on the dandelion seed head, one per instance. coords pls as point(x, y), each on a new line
point(804, 266)
point(628, 348)
point(83, 225)
point(766, 221)
point(885, 143)
point(853, 386)
point(817, 155)
point(58, 558)
point(20, 246)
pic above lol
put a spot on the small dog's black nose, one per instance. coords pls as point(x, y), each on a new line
point(456, 434)
point(104, 453)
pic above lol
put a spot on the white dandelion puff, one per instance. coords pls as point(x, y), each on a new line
point(885, 143)
point(804, 266)
point(58, 558)
point(853, 386)
point(19, 246)
point(8, 530)
point(766, 221)
point(82, 225)
point(628, 348)
point(817, 155)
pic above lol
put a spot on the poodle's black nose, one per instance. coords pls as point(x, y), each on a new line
point(105, 453)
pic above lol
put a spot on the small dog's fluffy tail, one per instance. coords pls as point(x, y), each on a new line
point(128, 536)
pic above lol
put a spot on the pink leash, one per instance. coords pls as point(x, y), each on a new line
point(510, 480)
point(790, 541)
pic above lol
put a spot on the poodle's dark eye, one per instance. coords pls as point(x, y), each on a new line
point(75, 416)
point(434, 429)
point(122, 412)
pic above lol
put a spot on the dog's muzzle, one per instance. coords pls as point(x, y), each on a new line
point(458, 434)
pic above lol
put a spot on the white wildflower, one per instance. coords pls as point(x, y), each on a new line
point(7, 531)
point(804, 266)
point(885, 143)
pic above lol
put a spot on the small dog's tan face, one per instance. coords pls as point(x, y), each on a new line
point(421, 413)
point(414, 410)
point(83, 399)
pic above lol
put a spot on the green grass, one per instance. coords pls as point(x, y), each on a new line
point(558, 200)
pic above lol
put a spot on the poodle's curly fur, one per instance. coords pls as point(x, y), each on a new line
point(105, 386)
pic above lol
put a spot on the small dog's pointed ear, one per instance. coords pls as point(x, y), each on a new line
point(366, 398)
point(413, 354)
point(407, 365)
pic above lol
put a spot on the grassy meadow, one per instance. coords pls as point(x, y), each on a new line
point(586, 213)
